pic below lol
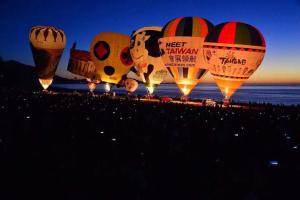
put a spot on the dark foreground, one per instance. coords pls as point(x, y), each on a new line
point(80, 147)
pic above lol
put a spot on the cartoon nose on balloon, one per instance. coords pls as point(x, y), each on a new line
point(109, 70)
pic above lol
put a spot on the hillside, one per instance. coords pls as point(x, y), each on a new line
point(13, 73)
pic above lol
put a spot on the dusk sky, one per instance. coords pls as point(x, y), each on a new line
point(279, 21)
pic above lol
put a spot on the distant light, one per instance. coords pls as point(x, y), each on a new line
point(288, 137)
point(101, 132)
point(121, 118)
point(221, 118)
point(107, 87)
point(28, 117)
point(87, 118)
point(273, 163)
point(150, 89)
point(114, 139)
point(295, 147)
point(284, 134)
point(236, 134)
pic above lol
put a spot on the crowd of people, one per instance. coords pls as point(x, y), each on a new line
point(78, 146)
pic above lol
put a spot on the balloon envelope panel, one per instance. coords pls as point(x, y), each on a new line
point(111, 56)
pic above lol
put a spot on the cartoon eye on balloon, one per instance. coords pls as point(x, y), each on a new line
point(47, 45)
point(101, 50)
point(238, 49)
point(125, 57)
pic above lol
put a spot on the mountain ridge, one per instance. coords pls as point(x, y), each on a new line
point(14, 73)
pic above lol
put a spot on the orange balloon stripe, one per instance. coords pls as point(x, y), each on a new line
point(204, 28)
point(171, 29)
point(196, 27)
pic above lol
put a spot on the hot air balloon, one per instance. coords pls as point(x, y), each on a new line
point(80, 63)
point(111, 57)
point(145, 54)
point(182, 50)
point(233, 51)
point(47, 45)
point(92, 84)
point(131, 85)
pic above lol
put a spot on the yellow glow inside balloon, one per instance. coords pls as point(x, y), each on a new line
point(45, 83)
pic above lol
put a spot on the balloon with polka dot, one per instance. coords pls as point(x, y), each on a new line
point(110, 55)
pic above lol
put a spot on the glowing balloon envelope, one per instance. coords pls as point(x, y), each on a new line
point(47, 45)
point(233, 51)
point(131, 85)
point(182, 50)
point(111, 57)
point(145, 53)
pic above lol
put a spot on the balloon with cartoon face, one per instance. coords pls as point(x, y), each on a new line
point(131, 85)
point(47, 45)
point(110, 55)
point(145, 53)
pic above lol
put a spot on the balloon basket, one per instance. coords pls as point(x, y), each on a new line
point(91, 93)
point(45, 91)
point(226, 102)
point(149, 96)
point(184, 98)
